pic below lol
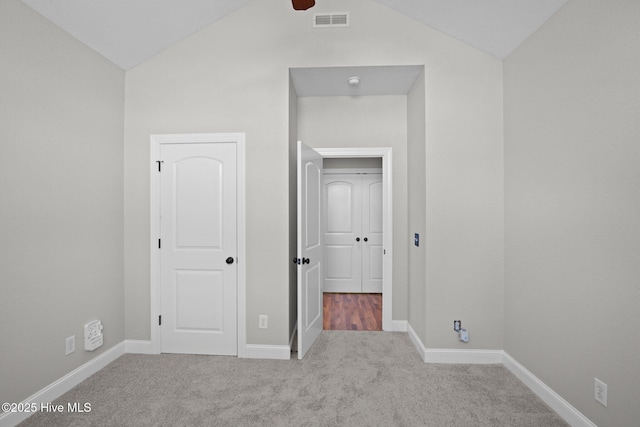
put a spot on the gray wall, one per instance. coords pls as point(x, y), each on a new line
point(464, 230)
point(353, 163)
point(416, 207)
point(61, 192)
point(242, 85)
point(572, 126)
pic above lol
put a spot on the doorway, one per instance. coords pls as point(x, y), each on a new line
point(385, 154)
point(309, 258)
point(353, 234)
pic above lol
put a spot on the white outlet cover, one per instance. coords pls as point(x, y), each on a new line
point(70, 345)
point(600, 392)
point(263, 321)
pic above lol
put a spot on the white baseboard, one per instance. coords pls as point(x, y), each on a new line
point(64, 384)
point(138, 347)
point(472, 356)
point(251, 351)
point(570, 414)
point(256, 351)
point(415, 339)
point(446, 355)
point(399, 325)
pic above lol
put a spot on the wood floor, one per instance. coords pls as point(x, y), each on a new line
point(352, 312)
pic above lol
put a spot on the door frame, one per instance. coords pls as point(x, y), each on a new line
point(387, 218)
point(154, 209)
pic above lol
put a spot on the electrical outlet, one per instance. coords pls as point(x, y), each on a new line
point(457, 325)
point(263, 321)
point(600, 392)
point(70, 345)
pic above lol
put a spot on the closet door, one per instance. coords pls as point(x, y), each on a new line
point(371, 233)
point(353, 233)
point(342, 225)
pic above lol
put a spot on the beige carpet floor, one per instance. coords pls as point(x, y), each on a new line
point(347, 379)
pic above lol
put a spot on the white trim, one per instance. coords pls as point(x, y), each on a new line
point(445, 355)
point(399, 326)
point(242, 244)
point(415, 339)
point(257, 351)
point(137, 347)
point(570, 414)
point(387, 206)
point(351, 171)
point(64, 384)
point(154, 212)
point(463, 356)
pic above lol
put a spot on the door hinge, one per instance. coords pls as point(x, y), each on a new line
point(160, 320)
point(159, 162)
point(159, 243)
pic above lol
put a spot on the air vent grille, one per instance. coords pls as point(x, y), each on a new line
point(331, 20)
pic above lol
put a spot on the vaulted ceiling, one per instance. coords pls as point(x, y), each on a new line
point(128, 32)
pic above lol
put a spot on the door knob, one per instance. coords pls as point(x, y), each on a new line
point(357, 239)
point(366, 240)
point(229, 260)
point(305, 260)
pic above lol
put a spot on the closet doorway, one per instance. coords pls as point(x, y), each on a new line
point(358, 308)
point(352, 244)
point(352, 225)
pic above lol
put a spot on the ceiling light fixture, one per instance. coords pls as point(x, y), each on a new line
point(354, 81)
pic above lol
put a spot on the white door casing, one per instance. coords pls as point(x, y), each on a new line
point(310, 265)
point(197, 210)
point(352, 207)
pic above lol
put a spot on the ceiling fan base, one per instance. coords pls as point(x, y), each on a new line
point(303, 4)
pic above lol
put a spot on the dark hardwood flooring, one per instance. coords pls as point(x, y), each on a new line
point(352, 312)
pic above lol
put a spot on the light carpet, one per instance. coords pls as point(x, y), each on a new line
point(346, 379)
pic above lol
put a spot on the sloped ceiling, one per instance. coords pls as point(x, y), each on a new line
point(128, 32)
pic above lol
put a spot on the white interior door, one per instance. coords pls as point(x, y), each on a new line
point(198, 273)
point(342, 207)
point(353, 233)
point(310, 263)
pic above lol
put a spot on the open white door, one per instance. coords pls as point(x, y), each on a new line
point(309, 247)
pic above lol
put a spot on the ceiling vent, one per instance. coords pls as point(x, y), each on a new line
point(331, 20)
